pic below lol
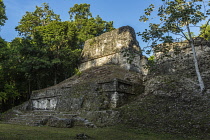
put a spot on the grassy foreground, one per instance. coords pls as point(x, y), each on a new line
point(19, 132)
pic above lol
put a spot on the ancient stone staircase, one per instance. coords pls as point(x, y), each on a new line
point(40, 118)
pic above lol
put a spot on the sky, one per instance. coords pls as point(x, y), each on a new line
point(121, 12)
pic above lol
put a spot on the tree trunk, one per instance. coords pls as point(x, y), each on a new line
point(29, 89)
point(55, 78)
point(200, 80)
point(1, 105)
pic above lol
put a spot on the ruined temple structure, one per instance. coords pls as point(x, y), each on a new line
point(113, 87)
point(111, 49)
point(108, 80)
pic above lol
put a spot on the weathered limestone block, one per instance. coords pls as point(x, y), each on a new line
point(82, 136)
point(178, 49)
point(116, 91)
point(45, 99)
point(45, 103)
point(60, 122)
point(116, 47)
point(97, 96)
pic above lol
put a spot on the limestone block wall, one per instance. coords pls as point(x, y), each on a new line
point(44, 99)
point(44, 104)
point(116, 58)
point(116, 47)
point(87, 96)
point(183, 62)
point(178, 49)
point(117, 92)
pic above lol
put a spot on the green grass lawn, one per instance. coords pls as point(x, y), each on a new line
point(19, 132)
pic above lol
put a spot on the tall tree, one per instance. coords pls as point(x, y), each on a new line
point(40, 17)
point(59, 39)
point(8, 75)
point(80, 11)
point(175, 17)
point(88, 26)
point(3, 16)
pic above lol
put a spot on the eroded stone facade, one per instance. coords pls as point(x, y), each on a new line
point(181, 49)
point(44, 99)
point(118, 47)
point(99, 96)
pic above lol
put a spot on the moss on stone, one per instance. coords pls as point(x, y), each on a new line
point(168, 115)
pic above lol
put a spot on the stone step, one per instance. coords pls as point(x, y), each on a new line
point(28, 119)
point(37, 117)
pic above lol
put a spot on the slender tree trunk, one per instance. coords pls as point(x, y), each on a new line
point(1, 105)
point(55, 78)
point(200, 80)
point(29, 89)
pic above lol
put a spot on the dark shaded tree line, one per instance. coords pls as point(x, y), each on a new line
point(47, 51)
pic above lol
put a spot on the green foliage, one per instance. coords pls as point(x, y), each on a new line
point(3, 16)
point(205, 31)
point(40, 17)
point(57, 35)
point(9, 92)
point(77, 72)
point(147, 12)
point(150, 63)
point(151, 58)
point(8, 75)
point(86, 25)
point(174, 16)
point(80, 11)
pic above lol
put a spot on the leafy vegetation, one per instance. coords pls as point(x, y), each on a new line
point(3, 16)
point(205, 31)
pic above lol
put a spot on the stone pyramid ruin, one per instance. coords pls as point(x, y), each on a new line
point(114, 88)
point(108, 80)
